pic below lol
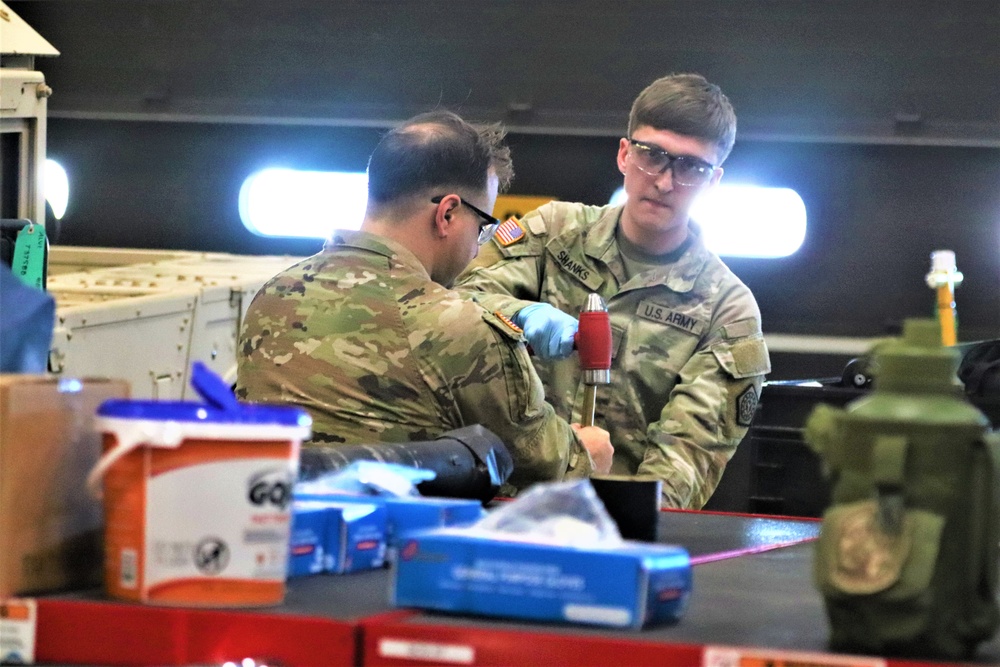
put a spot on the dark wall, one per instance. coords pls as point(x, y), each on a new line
point(792, 67)
point(875, 213)
point(884, 115)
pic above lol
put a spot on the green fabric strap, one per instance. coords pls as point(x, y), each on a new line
point(889, 460)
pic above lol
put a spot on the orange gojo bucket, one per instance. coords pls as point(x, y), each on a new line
point(197, 497)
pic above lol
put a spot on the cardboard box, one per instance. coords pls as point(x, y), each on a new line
point(356, 537)
point(50, 526)
point(307, 547)
point(407, 514)
point(457, 571)
point(337, 538)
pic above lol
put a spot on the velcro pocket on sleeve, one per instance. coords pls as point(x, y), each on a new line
point(743, 358)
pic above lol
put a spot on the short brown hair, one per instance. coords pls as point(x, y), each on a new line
point(437, 149)
point(687, 104)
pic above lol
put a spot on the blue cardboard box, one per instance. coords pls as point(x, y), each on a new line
point(406, 514)
point(358, 533)
point(306, 550)
point(629, 587)
point(328, 536)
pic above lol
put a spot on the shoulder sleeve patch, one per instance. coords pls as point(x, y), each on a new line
point(510, 232)
point(746, 406)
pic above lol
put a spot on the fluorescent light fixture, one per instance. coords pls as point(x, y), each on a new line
point(303, 204)
point(55, 184)
point(751, 221)
point(747, 220)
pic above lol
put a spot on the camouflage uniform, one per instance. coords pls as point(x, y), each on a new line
point(362, 338)
point(688, 355)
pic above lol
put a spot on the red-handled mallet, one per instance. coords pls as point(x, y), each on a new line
point(593, 341)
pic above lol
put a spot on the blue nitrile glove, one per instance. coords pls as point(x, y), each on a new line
point(549, 330)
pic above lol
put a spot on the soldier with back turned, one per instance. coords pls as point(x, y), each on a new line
point(369, 338)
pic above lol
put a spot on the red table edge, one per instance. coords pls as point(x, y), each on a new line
point(88, 632)
point(748, 515)
point(490, 647)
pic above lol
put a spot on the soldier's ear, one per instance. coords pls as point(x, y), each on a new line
point(441, 224)
point(716, 177)
point(443, 215)
point(622, 154)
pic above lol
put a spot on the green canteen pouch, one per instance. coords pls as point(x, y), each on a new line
point(907, 559)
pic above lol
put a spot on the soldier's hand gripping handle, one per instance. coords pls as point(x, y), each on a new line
point(597, 442)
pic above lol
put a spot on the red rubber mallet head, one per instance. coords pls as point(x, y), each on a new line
point(593, 341)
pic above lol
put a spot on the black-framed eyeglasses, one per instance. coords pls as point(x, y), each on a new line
point(687, 170)
point(487, 228)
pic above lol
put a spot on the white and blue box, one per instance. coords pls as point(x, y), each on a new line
point(307, 545)
point(330, 536)
point(406, 514)
point(632, 586)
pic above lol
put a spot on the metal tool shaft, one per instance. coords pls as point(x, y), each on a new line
point(589, 403)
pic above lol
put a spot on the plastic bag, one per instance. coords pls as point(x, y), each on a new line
point(563, 513)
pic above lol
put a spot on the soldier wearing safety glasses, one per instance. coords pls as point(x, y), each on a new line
point(688, 356)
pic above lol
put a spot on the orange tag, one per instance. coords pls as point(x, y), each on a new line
point(725, 656)
point(509, 322)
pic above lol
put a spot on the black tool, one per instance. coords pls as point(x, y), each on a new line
point(470, 462)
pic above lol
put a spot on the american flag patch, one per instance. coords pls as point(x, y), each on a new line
point(509, 232)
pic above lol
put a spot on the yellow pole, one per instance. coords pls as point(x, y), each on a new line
point(946, 313)
point(944, 277)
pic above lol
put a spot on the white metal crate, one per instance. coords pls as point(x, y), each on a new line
point(146, 316)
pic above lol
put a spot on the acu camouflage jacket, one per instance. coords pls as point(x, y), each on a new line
point(362, 338)
point(688, 354)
